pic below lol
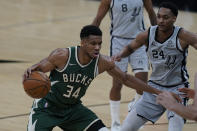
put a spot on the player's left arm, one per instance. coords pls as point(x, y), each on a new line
point(107, 64)
point(188, 38)
point(151, 13)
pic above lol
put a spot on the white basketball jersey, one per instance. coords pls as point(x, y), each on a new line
point(126, 18)
point(168, 59)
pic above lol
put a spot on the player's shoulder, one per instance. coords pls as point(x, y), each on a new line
point(183, 33)
point(59, 54)
point(143, 35)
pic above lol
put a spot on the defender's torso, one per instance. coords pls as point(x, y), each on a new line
point(167, 59)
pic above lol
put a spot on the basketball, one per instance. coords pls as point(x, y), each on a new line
point(37, 85)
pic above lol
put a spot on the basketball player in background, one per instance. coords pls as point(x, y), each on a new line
point(188, 112)
point(71, 72)
point(167, 49)
point(126, 22)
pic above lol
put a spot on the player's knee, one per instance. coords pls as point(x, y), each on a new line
point(133, 122)
point(177, 119)
point(176, 123)
point(131, 128)
point(97, 126)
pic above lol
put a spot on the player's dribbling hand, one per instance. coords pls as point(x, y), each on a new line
point(168, 99)
point(177, 97)
point(28, 72)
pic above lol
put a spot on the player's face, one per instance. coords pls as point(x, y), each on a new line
point(165, 19)
point(93, 45)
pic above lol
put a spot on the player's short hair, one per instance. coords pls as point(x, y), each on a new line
point(170, 6)
point(88, 30)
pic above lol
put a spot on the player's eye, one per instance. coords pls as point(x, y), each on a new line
point(166, 17)
point(93, 43)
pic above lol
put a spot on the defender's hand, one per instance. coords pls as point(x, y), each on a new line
point(168, 99)
point(190, 93)
point(116, 57)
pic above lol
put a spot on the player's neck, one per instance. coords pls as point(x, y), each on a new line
point(83, 57)
point(162, 35)
point(167, 32)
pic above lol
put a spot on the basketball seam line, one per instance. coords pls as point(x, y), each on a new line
point(36, 80)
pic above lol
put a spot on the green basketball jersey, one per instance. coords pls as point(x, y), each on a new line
point(70, 84)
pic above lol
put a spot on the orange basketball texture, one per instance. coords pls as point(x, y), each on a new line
point(37, 85)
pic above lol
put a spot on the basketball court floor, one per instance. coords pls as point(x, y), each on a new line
point(31, 29)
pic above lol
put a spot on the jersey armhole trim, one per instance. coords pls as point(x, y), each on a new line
point(148, 39)
point(178, 46)
point(96, 70)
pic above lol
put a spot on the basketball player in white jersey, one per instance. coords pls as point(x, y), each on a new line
point(188, 112)
point(167, 47)
point(126, 22)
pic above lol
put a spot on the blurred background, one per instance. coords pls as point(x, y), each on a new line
point(188, 5)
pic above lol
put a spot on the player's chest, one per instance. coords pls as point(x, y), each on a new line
point(161, 51)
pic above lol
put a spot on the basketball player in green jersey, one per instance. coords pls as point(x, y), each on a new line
point(71, 72)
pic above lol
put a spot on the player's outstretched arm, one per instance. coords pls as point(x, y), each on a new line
point(132, 81)
point(141, 39)
point(102, 11)
point(56, 59)
point(107, 64)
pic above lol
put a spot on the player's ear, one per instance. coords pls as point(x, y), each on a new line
point(82, 42)
point(174, 19)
